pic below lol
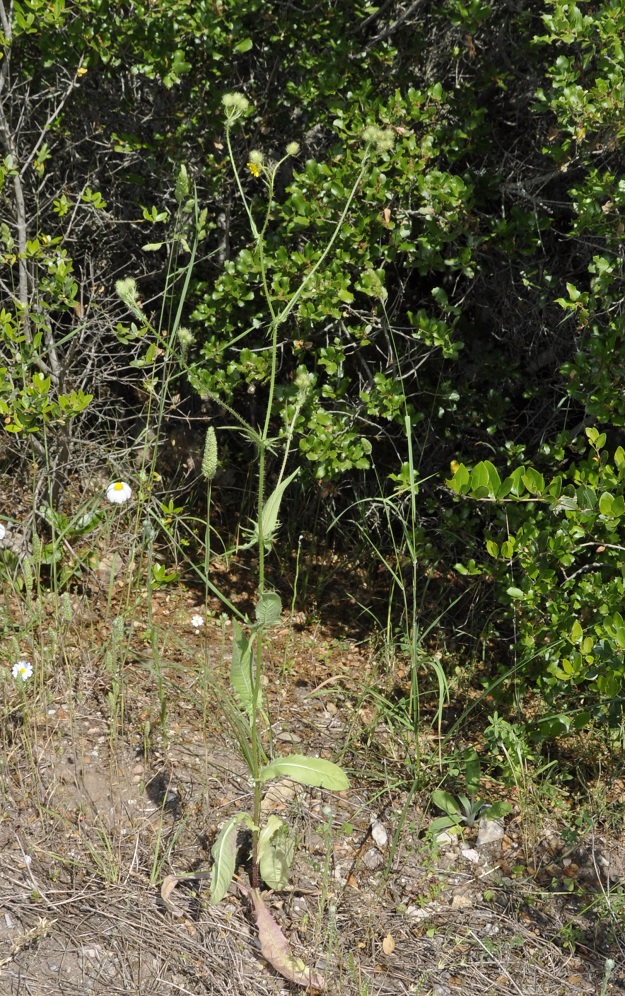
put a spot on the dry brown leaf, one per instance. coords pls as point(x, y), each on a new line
point(388, 944)
point(168, 886)
point(276, 949)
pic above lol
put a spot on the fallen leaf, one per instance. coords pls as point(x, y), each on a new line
point(388, 944)
point(276, 949)
point(168, 886)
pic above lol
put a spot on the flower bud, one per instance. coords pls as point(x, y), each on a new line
point(292, 149)
point(183, 186)
point(209, 460)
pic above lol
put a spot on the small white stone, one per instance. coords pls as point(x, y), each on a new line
point(446, 838)
point(379, 834)
point(490, 831)
point(471, 855)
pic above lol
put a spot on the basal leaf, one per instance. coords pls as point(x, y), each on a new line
point(315, 771)
point(446, 801)
point(276, 851)
point(224, 853)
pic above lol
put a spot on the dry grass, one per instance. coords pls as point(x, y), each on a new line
point(98, 807)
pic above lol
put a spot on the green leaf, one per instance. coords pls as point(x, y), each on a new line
point(493, 548)
point(460, 481)
point(315, 771)
point(515, 593)
point(444, 823)
point(576, 632)
point(447, 802)
point(276, 852)
point(244, 46)
point(472, 774)
point(496, 811)
point(269, 609)
point(152, 246)
point(241, 667)
point(224, 852)
point(270, 514)
point(518, 486)
point(480, 482)
point(494, 480)
point(605, 503)
point(533, 481)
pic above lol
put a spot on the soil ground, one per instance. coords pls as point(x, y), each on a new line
point(118, 772)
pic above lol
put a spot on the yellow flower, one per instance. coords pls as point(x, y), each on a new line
point(254, 169)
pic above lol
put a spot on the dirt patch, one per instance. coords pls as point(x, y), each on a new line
point(107, 789)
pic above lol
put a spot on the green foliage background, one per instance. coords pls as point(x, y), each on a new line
point(476, 284)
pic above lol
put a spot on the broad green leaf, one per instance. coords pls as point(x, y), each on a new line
point(480, 485)
point(315, 771)
point(224, 853)
point(587, 645)
point(496, 811)
point(460, 481)
point(518, 485)
point(555, 487)
point(276, 851)
point(533, 481)
point(269, 609)
point(447, 802)
point(576, 632)
point(606, 502)
point(618, 506)
point(494, 480)
point(152, 246)
point(241, 667)
point(507, 549)
point(515, 593)
point(493, 548)
point(505, 488)
point(444, 823)
point(586, 498)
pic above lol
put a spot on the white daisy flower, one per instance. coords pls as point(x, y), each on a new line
point(119, 492)
point(3, 532)
point(23, 670)
point(197, 621)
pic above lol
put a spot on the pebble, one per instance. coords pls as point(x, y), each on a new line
point(471, 855)
point(490, 831)
point(372, 859)
point(379, 834)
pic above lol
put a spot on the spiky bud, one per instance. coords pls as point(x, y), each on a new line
point(292, 149)
point(186, 340)
point(127, 292)
point(236, 106)
point(382, 138)
point(209, 460)
point(183, 185)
